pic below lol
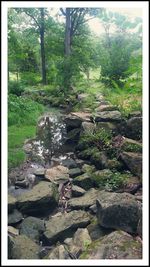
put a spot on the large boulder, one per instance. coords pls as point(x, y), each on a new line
point(116, 245)
point(69, 163)
point(134, 128)
point(60, 227)
point(57, 174)
point(108, 116)
point(32, 227)
point(24, 248)
point(43, 197)
point(85, 201)
point(133, 162)
point(118, 211)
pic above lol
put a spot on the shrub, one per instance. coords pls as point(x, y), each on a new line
point(15, 87)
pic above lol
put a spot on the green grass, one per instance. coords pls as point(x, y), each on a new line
point(16, 137)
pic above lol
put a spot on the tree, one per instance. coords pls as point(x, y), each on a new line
point(37, 15)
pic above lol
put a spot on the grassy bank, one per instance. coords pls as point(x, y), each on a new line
point(22, 117)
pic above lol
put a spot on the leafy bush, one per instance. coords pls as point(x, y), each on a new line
point(15, 87)
point(22, 110)
point(30, 78)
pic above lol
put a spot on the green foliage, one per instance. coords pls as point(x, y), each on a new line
point(15, 87)
point(30, 78)
point(22, 110)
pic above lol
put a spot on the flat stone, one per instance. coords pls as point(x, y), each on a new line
point(41, 198)
point(77, 191)
point(39, 172)
point(57, 174)
point(12, 231)
point(85, 201)
point(75, 172)
point(105, 108)
point(108, 116)
point(59, 227)
point(83, 116)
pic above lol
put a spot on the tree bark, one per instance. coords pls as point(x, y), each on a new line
point(42, 29)
point(68, 33)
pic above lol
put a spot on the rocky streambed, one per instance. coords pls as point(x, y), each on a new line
point(63, 203)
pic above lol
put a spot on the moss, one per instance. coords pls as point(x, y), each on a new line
point(132, 148)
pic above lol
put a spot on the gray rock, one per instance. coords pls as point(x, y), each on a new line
point(57, 174)
point(85, 181)
point(11, 203)
point(23, 184)
point(39, 172)
point(87, 127)
point(116, 245)
point(99, 159)
point(96, 231)
point(109, 116)
point(72, 122)
point(58, 253)
point(75, 172)
point(134, 128)
point(108, 126)
point(58, 227)
point(14, 217)
point(130, 145)
point(41, 198)
point(69, 163)
point(32, 227)
point(105, 107)
point(85, 201)
point(118, 211)
point(24, 248)
point(133, 161)
point(12, 231)
point(77, 191)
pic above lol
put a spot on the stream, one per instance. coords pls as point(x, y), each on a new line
point(46, 150)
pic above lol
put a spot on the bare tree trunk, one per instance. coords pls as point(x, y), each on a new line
point(68, 33)
point(42, 47)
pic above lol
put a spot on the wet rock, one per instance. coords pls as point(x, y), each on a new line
point(87, 127)
point(130, 145)
point(41, 198)
point(77, 191)
point(32, 227)
point(72, 122)
point(118, 211)
point(57, 174)
point(73, 135)
point(24, 248)
point(60, 227)
point(11, 203)
point(58, 252)
point(23, 184)
point(116, 245)
point(14, 217)
point(85, 181)
point(69, 163)
point(133, 161)
point(85, 201)
point(134, 128)
point(109, 116)
point(75, 172)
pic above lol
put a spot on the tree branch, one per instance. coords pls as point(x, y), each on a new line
point(31, 16)
point(62, 11)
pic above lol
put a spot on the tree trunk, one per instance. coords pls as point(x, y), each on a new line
point(68, 33)
point(42, 47)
